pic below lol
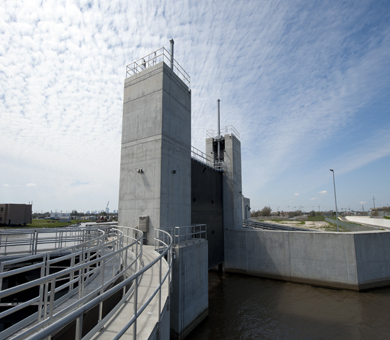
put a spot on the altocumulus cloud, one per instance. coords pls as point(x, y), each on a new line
point(290, 76)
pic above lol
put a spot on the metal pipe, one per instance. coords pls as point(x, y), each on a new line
point(219, 133)
point(172, 42)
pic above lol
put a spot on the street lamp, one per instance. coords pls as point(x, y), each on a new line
point(335, 201)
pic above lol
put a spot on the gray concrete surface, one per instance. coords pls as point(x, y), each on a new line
point(354, 261)
point(379, 222)
point(146, 322)
point(246, 205)
point(232, 182)
point(156, 137)
point(207, 208)
point(189, 298)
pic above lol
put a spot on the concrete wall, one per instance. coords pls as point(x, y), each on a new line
point(380, 222)
point(156, 137)
point(350, 260)
point(189, 298)
point(232, 186)
point(207, 208)
point(246, 205)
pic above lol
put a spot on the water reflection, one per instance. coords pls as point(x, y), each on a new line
point(243, 307)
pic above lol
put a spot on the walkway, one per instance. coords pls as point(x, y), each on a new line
point(150, 317)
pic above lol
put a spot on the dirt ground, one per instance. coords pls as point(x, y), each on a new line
point(314, 225)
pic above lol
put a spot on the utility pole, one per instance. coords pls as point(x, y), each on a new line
point(373, 200)
point(335, 201)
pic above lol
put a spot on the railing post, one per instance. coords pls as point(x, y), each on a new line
point(79, 327)
point(135, 307)
point(159, 293)
point(52, 296)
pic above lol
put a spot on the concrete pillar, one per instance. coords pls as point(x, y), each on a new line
point(155, 173)
point(189, 297)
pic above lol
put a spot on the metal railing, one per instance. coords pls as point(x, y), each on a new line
point(64, 296)
point(31, 242)
point(189, 233)
point(271, 226)
point(228, 130)
point(160, 55)
point(207, 160)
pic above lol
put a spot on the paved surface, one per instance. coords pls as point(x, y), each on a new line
point(148, 319)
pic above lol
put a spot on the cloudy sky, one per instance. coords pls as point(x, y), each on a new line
point(306, 83)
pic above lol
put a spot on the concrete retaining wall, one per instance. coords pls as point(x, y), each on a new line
point(350, 260)
point(190, 297)
point(380, 222)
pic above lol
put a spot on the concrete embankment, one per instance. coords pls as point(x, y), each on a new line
point(379, 222)
point(356, 260)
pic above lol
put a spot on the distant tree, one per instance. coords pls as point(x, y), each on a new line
point(74, 213)
point(266, 211)
point(312, 213)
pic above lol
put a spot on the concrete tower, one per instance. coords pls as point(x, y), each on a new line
point(155, 173)
point(230, 155)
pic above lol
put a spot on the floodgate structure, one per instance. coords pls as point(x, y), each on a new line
point(181, 213)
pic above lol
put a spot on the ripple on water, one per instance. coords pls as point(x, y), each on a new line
point(244, 307)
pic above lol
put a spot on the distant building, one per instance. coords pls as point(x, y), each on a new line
point(61, 217)
point(15, 214)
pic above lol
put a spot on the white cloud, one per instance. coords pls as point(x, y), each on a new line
point(323, 192)
point(5, 185)
point(313, 199)
point(31, 185)
point(296, 194)
point(288, 84)
point(362, 202)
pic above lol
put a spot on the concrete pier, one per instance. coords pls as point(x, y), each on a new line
point(189, 299)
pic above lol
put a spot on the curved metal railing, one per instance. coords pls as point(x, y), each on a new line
point(108, 263)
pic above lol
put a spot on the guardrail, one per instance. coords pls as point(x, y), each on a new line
point(202, 157)
point(189, 233)
point(271, 226)
point(228, 130)
point(31, 242)
point(119, 256)
point(154, 58)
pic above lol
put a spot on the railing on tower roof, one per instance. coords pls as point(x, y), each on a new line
point(202, 157)
point(154, 58)
point(229, 130)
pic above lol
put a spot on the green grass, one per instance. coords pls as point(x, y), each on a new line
point(45, 224)
point(386, 217)
point(316, 218)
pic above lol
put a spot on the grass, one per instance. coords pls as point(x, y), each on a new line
point(45, 224)
point(386, 217)
point(316, 218)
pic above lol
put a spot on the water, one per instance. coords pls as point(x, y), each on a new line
point(243, 307)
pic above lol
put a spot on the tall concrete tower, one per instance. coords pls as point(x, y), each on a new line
point(155, 173)
point(230, 155)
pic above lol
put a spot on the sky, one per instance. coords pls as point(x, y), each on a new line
point(305, 83)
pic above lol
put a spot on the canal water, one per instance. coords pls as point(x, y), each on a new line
point(244, 307)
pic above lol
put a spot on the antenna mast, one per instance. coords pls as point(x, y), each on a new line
point(219, 134)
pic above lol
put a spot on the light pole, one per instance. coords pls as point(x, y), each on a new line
point(335, 201)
